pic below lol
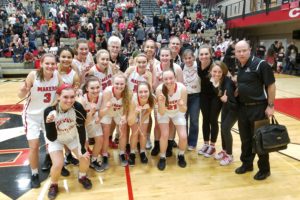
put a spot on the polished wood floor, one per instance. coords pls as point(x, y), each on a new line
point(203, 178)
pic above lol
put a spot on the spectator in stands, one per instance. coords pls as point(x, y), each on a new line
point(140, 35)
point(18, 51)
point(291, 47)
point(63, 29)
point(261, 50)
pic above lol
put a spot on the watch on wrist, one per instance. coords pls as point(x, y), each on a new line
point(271, 105)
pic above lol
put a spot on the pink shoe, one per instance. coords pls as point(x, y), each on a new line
point(210, 151)
point(226, 160)
point(220, 155)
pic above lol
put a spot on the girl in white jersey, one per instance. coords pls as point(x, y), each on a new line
point(67, 73)
point(172, 98)
point(138, 119)
point(166, 63)
point(138, 73)
point(64, 122)
point(115, 105)
point(192, 82)
point(83, 60)
point(91, 101)
point(102, 70)
point(39, 88)
point(150, 49)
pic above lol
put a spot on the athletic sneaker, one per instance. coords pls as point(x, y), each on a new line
point(210, 151)
point(105, 163)
point(191, 148)
point(143, 158)
point(86, 183)
point(71, 160)
point(53, 191)
point(220, 155)
point(46, 165)
point(131, 159)
point(96, 166)
point(156, 149)
point(123, 160)
point(226, 160)
point(161, 165)
point(35, 181)
point(64, 172)
point(181, 161)
point(148, 144)
point(203, 149)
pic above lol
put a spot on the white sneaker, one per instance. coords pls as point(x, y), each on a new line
point(210, 151)
point(148, 144)
point(226, 160)
point(203, 150)
point(220, 155)
point(191, 148)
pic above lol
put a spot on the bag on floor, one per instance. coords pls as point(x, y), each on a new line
point(269, 138)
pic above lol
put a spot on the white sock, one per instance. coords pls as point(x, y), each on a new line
point(142, 151)
point(81, 174)
point(121, 152)
point(132, 151)
point(163, 155)
point(34, 171)
point(105, 154)
point(180, 152)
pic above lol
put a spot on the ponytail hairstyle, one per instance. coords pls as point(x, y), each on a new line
point(224, 69)
point(77, 43)
point(164, 89)
point(125, 94)
point(40, 72)
point(88, 79)
point(99, 53)
point(150, 98)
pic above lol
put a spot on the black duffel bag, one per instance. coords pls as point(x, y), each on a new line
point(270, 138)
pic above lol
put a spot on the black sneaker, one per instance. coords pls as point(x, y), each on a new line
point(169, 151)
point(161, 165)
point(181, 161)
point(260, 175)
point(123, 160)
point(47, 163)
point(105, 163)
point(70, 159)
point(53, 191)
point(35, 181)
point(156, 149)
point(86, 183)
point(64, 172)
point(144, 158)
point(131, 159)
point(96, 166)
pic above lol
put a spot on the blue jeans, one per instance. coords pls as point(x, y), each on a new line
point(193, 110)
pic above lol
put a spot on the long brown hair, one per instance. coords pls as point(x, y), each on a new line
point(99, 53)
point(150, 98)
point(89, 79)
point(40, 72)
point(171, 60)
point(125, 94)
point(165, 90)
point(77, 43)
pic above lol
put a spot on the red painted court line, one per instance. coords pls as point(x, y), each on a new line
point(128, 180)
point(11, 108)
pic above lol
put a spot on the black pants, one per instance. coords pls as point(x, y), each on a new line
point(210, 107)
point(246, 118)
point(228, 119)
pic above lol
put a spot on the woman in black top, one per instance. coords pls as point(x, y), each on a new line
point(65, 125)
point(226, 88)
point(210, 103)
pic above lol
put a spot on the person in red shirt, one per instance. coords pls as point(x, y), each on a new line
point(92, 46)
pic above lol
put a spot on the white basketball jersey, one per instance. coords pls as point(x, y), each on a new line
point(104, 78)
point(88, 103)
point(66, 126)
point(159, 71)
point(81, 65)
point(117, 104)
point(134, 79)
point(68, 77)
point(41, 95)
point(173, 109)
point(137, 104)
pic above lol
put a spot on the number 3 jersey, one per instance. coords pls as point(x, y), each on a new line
point(41, 95)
